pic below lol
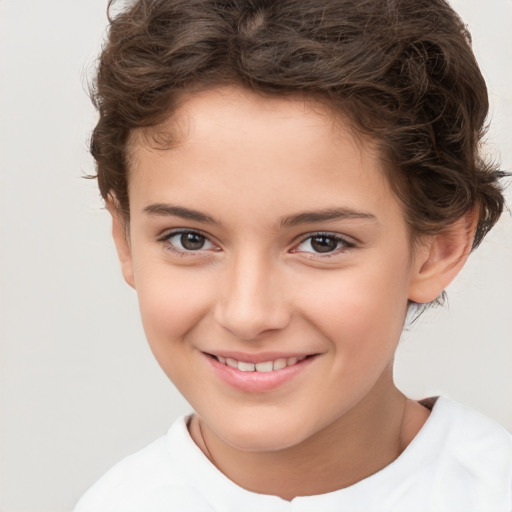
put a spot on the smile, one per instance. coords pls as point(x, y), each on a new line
point(258, 373)
point(265, 367)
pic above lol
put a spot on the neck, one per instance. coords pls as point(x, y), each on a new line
point(363, 441)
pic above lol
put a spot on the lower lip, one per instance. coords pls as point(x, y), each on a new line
point(258, 382)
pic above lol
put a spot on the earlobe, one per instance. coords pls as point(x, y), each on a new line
point(439, 258)
point(122, 241)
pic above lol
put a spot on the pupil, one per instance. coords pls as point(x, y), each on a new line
point(192, 241)
point(323, 243)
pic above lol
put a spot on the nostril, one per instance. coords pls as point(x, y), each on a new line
point(249, 326)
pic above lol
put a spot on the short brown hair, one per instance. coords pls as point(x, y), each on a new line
point(402, 71)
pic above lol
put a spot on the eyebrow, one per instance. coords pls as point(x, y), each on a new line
point(325, 215)
point(165, 210)
point(329, 214)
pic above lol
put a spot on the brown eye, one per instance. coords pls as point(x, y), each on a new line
point(192, 241)
point(323, 243)
point(187, 242)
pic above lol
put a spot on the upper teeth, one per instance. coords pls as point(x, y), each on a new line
point(267, 366)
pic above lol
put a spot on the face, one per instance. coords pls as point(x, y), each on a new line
point(272, 263)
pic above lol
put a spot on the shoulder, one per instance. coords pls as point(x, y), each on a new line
point(470, 449)
point(463, 424)
point(150, 479)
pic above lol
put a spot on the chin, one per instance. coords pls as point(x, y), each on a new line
point(262, 436)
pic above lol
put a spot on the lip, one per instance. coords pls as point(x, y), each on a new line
point(257, 382)
point(260, 357)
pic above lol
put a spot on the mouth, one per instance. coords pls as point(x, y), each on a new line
point(263, 367)
point(259, 373)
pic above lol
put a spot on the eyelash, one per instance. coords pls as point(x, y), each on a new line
point(346, 245)
point(165, 240)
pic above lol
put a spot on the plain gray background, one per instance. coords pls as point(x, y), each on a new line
point(78, 386)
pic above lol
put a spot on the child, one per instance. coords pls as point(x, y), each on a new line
point(286, 180)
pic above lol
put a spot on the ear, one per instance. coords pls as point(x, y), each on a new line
point(439, 258)
point(122, 240)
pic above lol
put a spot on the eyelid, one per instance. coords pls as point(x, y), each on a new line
point(345, 238)
point(164, 239)
point(348, 243)
point(168, 233)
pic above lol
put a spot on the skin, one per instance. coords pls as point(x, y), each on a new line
point(258, 285)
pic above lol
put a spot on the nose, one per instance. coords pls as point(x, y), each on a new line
point(251, 301)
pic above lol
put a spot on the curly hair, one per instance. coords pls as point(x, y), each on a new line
point(401, 71)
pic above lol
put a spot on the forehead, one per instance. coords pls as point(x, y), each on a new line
point(234, 108)
point(228, 110)
point(229, 139)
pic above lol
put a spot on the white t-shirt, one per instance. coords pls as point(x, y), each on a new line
point(460, 461)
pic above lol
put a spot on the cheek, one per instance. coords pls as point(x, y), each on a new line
point(171, 303)
point(361, 311)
